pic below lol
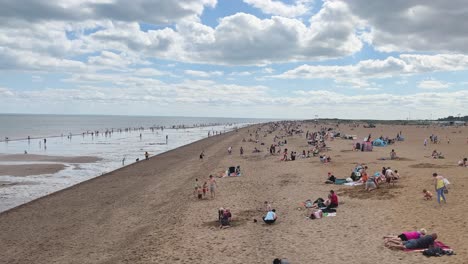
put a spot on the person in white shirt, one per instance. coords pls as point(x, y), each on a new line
point(270, 217)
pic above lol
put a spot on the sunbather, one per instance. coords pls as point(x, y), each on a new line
point(405, 236)
point(330, 178)
point(420, 243)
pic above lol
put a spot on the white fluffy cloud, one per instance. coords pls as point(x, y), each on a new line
point(415, 25)
point(203, 74)
point(150, 11)
point(239, 39)
point(299, 8)
point(210, 94)
point(29, 61)
point(433, 85)
point(405, 64)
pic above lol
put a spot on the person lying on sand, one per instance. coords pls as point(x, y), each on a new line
point(463, 163)
point(280, 261)
point(405, 236)
point(420, 243)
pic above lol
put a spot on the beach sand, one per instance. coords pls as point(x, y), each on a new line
point(147, 213)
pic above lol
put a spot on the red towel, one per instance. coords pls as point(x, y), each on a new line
point(436, 244)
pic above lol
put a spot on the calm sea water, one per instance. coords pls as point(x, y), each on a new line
point(19, 126)
point(112, 149)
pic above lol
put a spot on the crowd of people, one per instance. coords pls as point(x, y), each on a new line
point(387, 176)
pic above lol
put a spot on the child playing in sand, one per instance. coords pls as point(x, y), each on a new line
point(197, 186)
point(427, 195)
point(205, 189)
point(200, 193)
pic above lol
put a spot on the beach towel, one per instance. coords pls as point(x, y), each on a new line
point(340, 181)
point(353, 183)
point(436, 244)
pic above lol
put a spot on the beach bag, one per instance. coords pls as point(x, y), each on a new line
point(433, 252)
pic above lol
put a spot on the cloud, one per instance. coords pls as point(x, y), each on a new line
point(4, 92)
point(239, 39)
point(358, 74)
point(30, 61)
point(114, 42)
point(433, 85)
point(243, 39)
point(243, 73)
point(150, 11)
point(299, 8)
point(203, 74)
point(414, 25)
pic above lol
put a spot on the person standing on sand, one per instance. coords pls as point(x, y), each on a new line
point(439, 185)
point(196, 187)
point(202, 154)
point(241, 151)
point(213, 186)
point(146, 155)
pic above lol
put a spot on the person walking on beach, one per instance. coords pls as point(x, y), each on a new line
point(202, 154)
point(439, 185)
point(146, 155)
point(213, 186)
point(241, 151)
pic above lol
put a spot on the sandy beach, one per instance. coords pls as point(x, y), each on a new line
point(147, 213)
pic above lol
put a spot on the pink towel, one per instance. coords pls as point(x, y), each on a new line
point(436, 244)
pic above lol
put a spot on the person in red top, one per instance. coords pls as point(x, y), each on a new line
point(333, 200)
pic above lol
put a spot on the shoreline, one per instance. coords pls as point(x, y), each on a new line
point(107, 174)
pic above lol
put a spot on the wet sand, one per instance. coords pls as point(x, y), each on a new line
point(30, 169)
point(46, 158)
point(146, 212)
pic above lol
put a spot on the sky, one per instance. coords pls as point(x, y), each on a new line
point(294, 59)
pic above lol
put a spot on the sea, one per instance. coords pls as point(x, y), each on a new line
point(126, 140)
